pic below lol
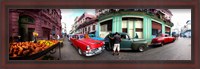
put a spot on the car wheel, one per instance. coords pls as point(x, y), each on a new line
point(108, 47)
point(141, 48)
point(79, 51)
point(174, 40)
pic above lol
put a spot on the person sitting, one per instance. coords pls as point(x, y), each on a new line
point(87, 36)
point(136, 36)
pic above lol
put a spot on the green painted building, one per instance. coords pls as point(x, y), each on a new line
point(138, 24)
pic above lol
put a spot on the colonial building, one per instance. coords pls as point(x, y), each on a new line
point(145, 23)
point(86, 23)
point(23, 22)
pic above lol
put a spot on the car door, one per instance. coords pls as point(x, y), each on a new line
point(76, 41)
point(166, 38)
point(126, 41)
point(73, 39)
point(171, 39)
point(79, 43)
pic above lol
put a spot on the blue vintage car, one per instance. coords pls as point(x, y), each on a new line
point(95, 38)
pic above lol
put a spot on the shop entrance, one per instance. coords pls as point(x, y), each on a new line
point(106, 27)
point(133, 26)
point(167, 30)
point(30, 34)
point(24, 31)
point(156, 29)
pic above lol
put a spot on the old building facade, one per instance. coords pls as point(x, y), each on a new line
point(144, 23)
point(23, 22)
point(86, 23)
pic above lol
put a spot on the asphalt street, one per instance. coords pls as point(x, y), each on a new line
point(178, 50)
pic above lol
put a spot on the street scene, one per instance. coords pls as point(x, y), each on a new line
point(179, 50)
point(100, 34)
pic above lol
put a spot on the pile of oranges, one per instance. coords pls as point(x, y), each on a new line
point(28, 48)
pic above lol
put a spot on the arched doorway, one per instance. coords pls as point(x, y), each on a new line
point(24, 31)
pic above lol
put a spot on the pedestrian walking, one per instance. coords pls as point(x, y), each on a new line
point(117, 40)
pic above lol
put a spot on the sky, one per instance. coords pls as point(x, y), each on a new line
point(179, 18)
point(68, 16)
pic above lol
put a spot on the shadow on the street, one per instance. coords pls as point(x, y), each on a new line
point(131, 51)
point(154, 46)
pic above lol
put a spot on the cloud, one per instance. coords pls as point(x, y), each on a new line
point(68, 16)
point(66, 13)
point(180, 17)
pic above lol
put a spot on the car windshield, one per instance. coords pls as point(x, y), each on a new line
point(81, 36)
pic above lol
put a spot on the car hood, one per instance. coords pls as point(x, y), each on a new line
point(91, 42)
point(156, 38)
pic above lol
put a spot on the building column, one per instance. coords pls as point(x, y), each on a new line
point(163, 28)
point(127, 25)
point(150, 29)
point(147, 28)
point(98, 29)
point(120, 23)
point(113, 24)
point(117, 24)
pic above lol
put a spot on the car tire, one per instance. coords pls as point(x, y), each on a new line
point(173, 40)
point(80, 51)
point(108, 47)
point(141, 48)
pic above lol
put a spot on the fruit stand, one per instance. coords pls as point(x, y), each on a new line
point(31, 50)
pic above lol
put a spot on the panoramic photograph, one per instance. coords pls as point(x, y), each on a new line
point(100, 34)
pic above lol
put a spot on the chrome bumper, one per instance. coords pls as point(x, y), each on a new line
point(156, 43)
point(94, 51)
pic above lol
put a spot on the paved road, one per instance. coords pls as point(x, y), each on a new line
point(178, 50)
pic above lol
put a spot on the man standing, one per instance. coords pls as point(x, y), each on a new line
point(117, 40)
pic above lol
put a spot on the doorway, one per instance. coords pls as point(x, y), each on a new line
point(30, 34)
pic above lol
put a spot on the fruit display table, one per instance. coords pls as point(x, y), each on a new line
point(37, 55)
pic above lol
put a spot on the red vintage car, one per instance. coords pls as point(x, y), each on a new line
point(162, 39)
point(87, 46)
